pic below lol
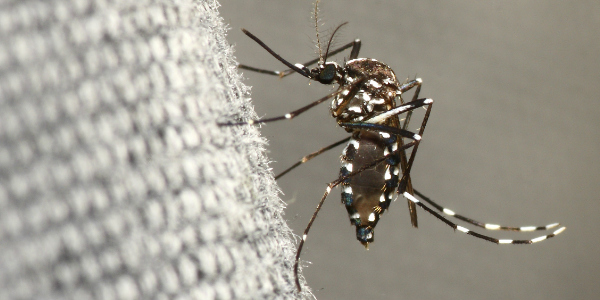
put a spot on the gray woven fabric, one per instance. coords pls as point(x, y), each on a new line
point(115, 182)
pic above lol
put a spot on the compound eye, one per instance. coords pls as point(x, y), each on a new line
point(327, 74)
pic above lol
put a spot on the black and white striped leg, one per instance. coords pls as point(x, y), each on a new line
point(354, 44)
point(411, 84)
point(373, 123)
point(406, 87)
point(412, 208)
point(478, 235)
point(417, 83)
point(298, 68)
point(287, 116)
point(311, 156)
point(330, 186)
point(291, 114)
point(487, 226)
point(406, 172)
point(382, 128)
point(409, 106)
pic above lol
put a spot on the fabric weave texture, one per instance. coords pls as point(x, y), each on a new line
point(115, 181)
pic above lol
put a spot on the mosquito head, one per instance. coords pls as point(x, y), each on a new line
point(327, 73)
point(364, 234)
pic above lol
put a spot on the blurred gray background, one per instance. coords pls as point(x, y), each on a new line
point(513, 139)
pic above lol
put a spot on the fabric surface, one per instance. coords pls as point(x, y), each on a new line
point(115, 182)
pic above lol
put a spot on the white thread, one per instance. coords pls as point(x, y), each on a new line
point(384, 116)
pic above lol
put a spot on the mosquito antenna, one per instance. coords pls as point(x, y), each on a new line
point(331, 40)
point(316, 17)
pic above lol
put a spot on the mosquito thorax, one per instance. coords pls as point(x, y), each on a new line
point(376, 93)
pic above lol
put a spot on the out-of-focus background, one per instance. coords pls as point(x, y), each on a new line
point(513, 138)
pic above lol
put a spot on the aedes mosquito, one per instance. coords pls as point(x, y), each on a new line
point(365, 106)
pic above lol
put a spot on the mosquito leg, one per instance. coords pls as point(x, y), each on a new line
point(295, 68)
point(294, 113)
point(355, 49)
point(287, 116)
point(380, 118)
point(412, 208)
point(382, 128)
point(405, 174)
point(311, 156)
point(481, 224)
point(478, 235)
point(302, 70)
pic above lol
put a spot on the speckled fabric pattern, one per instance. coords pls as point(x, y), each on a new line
point(115, 182)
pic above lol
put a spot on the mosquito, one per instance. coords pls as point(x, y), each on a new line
point(375, 165)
